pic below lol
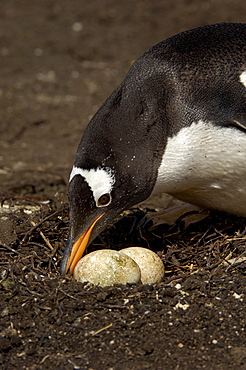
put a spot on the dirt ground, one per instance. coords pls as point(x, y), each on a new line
point(59, 61)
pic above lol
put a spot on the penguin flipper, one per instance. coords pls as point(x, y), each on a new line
point(186, 213)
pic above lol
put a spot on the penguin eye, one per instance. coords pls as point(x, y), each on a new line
point(104, 200)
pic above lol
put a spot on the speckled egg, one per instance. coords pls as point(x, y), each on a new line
point(107, 267)
point(151, 266)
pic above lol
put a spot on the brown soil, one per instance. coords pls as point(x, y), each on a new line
point(59, 61)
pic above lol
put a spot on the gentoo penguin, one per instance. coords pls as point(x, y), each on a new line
point(176, 124)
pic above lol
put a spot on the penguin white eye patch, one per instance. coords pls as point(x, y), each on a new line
point(100, 181)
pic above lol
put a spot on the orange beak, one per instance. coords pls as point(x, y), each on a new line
point(79, 247)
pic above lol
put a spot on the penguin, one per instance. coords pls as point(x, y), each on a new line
point(176, 124)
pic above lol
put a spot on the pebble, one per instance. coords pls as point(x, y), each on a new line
point(77, 26)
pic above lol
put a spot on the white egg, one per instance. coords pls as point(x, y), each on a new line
point(107, 267)
point(151, 266)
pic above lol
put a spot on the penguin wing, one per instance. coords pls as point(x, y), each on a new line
point(225, 102)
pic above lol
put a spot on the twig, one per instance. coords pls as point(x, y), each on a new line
point(100, 330)
point(43, 236)
point(11, 249)
point(176, 277)
point(41, 222)
point(24, 128)
point(68, 295)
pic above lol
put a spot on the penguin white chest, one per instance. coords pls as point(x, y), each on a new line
point(205, 164)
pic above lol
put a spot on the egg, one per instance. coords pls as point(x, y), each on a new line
point(151, 266)
point(107, 267)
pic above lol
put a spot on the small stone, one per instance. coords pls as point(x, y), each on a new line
point(9, 285)
point(107, 267)
point(77, 26)
point(38, 52)
point(5, 312)
point(151, 266)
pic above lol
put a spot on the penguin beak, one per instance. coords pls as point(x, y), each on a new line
point(73, 252)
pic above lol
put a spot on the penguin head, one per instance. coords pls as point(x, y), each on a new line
point(93, 205)
point(115, 167)
point(96, 197)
